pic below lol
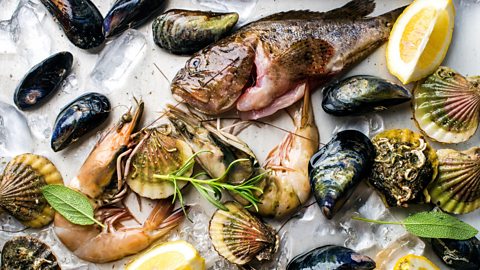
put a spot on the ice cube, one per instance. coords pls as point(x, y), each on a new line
point(370, 124)
point(118, 58)
point(8, 7)
point(244, 8)
point(15, 135)
point(7, 45)
point(70, 84)
point(40, 126)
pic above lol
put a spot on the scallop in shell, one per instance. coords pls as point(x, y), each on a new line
point(20, 189)
point(447, 106)
point(404, 165)
point(456, 189)
point(240, 237)
point(28, 253)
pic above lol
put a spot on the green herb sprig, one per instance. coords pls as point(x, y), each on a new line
point(432, 224)
point(211, 189)
point(72, 205)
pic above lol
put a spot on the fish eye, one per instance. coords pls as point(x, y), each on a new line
point(195, 62)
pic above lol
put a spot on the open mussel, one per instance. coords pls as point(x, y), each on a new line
point(240, 237)
point(458, 254)
point(126, 14)
point(404, 165)
point(20, 189)
point(332, 258)
point(43, 80)
point(338, 167)
point(28, 253)
point(456, 189)
point(362, 94)
point(188, 31)
point(157, 152)
point(447, 106)
point(78, 118)
point(80, 19)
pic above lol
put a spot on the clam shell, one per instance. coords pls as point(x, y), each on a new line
point(338, 167)
point(456, 189)
point(160, 153)
point(447, 106)
point(28, 253)
point(404, 165)
point(20, 189)
point(240, 237)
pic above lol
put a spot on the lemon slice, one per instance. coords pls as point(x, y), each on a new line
point(420, 39)
point(414, 262)
point(176, 255)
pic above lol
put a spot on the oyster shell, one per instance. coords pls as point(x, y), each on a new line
point(338, 167)
point(447, 106)
point(458, 254)
point(240, 237)
point(28, 253)
point(456, 189)
point(20, 189)
point(404, 165)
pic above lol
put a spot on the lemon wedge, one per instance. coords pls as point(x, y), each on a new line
point(414, 262)
point(420, 39)
point(176, 255)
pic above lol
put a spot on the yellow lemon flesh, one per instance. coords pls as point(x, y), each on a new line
point(176, 255)
point(420, 39)
point(414, 262)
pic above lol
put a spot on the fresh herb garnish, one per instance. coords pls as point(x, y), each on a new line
point(72, 205)
point(211, 189)
point(432, 224)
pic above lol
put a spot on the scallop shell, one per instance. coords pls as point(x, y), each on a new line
point(447, 106)
point(456, 190)
point(404, 166)
point(25, 252)
point(240, 237)
point(20, 189)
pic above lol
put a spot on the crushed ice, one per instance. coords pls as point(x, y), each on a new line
point(15, 134)
point(243, 7)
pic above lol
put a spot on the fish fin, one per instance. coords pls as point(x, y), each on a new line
point(391, 16)
point(293, 15)
point(353, 9)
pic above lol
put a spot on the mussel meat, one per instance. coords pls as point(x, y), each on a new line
point(28, 253)
point(224, 147)
point(447, 106)
point(338, 167)
point(362, 94)
point(20, 189)
point(332, 258)
point(78, 118)
point(157, 152)
point(126, 14)
point(458, 254)
point(456, 189)
point(188, 31)
point(80, 19)
point(240, 237)
point(43, 80)
point(404, 165)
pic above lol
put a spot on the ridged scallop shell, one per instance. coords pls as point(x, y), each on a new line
point(447, 106)
point(240, 237)
point(25, 252)
point(20, 189)
point(404, 166)
point(456, 189)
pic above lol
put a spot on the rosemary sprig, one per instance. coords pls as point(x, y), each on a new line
point(211, 189)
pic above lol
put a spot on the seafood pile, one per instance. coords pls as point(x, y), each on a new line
point(225, 159)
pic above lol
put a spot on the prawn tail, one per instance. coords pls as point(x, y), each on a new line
point(163, 209)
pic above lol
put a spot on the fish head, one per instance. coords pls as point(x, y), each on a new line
point(214, 78)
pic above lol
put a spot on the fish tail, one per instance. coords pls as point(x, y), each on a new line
point(392, 16)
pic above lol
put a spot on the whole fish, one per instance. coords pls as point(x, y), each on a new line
point(266, 65)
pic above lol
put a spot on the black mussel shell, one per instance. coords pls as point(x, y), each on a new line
point(28, 253)
point(43, 80)
point(187, 31)
point(79, 117)
point(362, 94)
point(458, 254)
point(129, 14)
point(80, 19)
point(332, 258)
point(338, 167)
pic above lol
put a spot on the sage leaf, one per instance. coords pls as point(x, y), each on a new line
point(72, 205)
